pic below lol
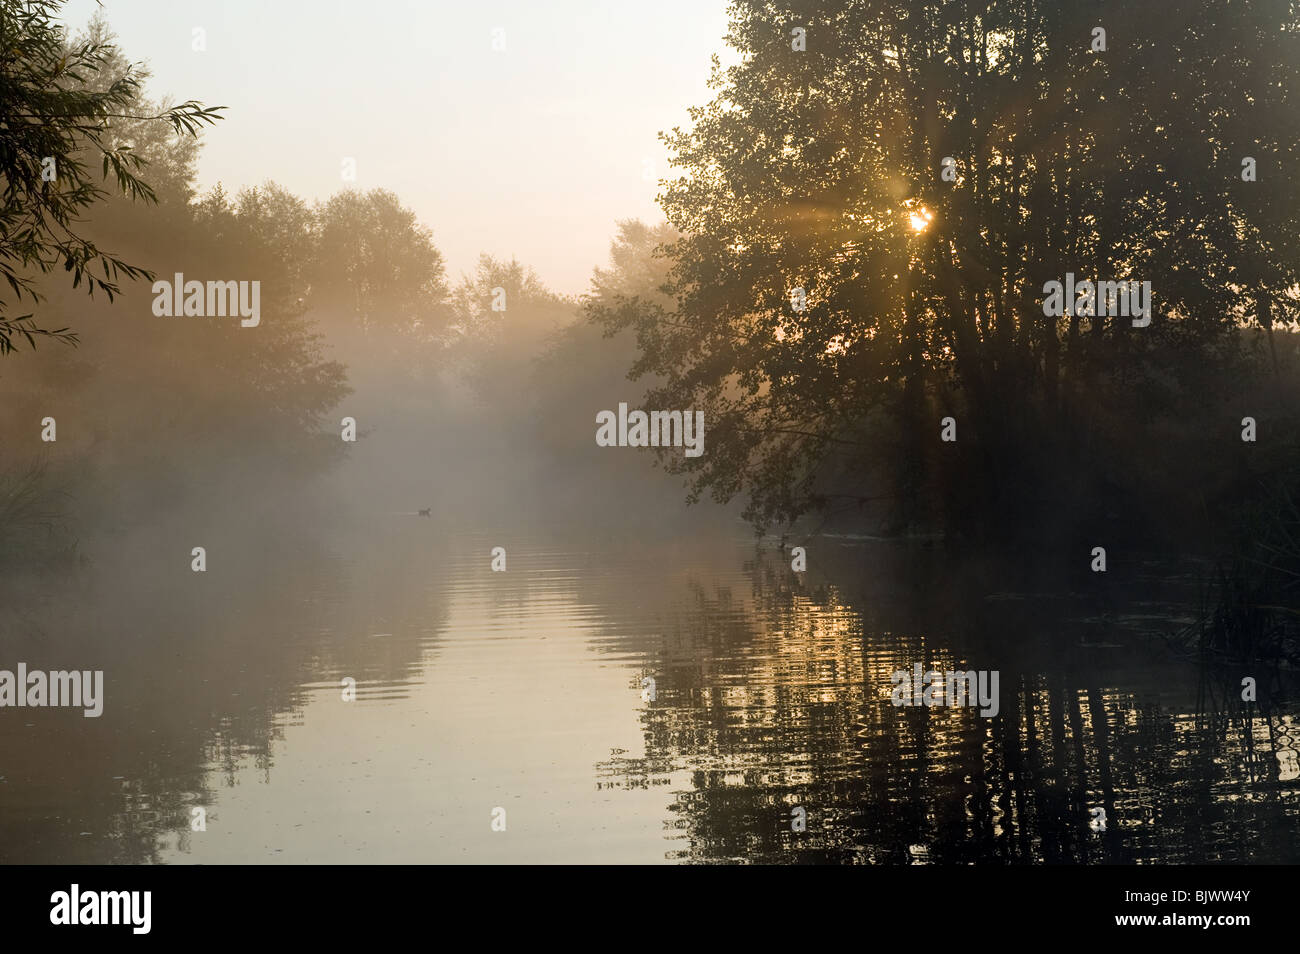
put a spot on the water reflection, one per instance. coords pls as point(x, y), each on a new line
point(203, 674)
point(783, 701)
point(523, 690)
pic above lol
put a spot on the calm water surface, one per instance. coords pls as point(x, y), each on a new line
point(523, 690)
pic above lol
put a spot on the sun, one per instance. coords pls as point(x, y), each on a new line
point(920, 218)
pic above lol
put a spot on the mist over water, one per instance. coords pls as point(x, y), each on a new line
point(524, 690)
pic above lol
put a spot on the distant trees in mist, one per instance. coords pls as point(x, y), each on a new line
point(354, 294)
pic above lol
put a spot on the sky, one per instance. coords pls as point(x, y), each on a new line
point(533, 152)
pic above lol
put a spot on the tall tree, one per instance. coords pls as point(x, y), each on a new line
point(830, 278)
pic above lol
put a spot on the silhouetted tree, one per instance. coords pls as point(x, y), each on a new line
point(820, 170)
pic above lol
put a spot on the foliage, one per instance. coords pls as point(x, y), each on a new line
point(65, 111)
point(820, 170)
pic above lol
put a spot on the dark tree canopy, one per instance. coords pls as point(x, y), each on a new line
point(820, 169)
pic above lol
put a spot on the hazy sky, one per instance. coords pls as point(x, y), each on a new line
point(532, 152)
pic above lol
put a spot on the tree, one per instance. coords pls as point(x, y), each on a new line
point(502, 318)
point(834, 295)
point(377, 267)
point(59, 119)
point(583, 370)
